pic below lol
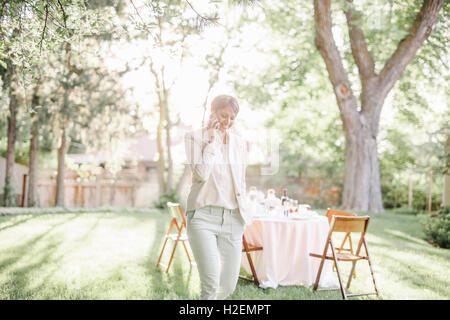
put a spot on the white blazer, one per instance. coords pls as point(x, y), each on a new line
point(201, 164)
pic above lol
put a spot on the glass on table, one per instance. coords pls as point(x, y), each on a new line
point(286, 207)
point(291, 206)
point(252, 194)
point(304, 208)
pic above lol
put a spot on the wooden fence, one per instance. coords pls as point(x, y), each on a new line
point(96, 194)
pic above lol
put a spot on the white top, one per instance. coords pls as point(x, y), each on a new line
point(220, 183)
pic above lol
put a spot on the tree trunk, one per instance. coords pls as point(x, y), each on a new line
point(169, 151)
point(161, 164)
point(62, 150)
point(410, 190)
point(32, 199)
point(362, 188)
point(169, 161)
point(446, 191)
point(165, 104)
point(430, 191)
point(9, 193)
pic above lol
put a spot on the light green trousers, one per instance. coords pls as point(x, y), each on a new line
point(215, 236)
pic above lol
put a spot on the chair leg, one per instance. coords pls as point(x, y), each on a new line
point(187, 253)
point(319, 272)
point(162, 251)
point(165, 242)
point(373, 277)
point(171, 257)
point(250, 261)
point(350, 243)
point(344, 295)
point(370, 266)
point(351, 274)
point(351, 251)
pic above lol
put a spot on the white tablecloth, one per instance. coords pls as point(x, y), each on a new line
point(286, 244)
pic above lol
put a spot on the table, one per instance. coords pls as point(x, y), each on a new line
point(286, 244)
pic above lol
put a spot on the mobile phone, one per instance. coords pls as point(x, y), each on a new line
point(213, 120)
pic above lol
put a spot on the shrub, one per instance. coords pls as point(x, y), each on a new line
point(171, 196)
point(405, 210)
point(437, 227)
point(395, 195)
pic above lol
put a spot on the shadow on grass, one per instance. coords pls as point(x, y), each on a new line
point(175, 283)
point(16, 285)
point(415, 275)
point(18, 282)
point(15, 223)
point(416, 244)
point(402, 235)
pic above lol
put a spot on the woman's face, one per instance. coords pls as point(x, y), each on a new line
point(226, 117)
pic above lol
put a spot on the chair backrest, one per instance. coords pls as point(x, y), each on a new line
point(349, 224)
point(176, 212)
point(332, 212)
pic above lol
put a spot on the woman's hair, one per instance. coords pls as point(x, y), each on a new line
point(224, 100)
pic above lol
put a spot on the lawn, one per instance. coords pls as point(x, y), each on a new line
point(112, 255)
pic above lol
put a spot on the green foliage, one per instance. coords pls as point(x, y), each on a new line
point(405, 210)
point(437, 227)
point(21, 151)
point(171, 196)
point(395, 196)
point(9, 198)
point(295, 86)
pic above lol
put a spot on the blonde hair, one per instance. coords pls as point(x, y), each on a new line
point(224, 100)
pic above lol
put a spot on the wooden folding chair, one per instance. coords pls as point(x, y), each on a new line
point(247, 248)
point(329, 215)
point(346, 224)
point(179, 221)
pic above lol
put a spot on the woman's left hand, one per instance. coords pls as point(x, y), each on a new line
point(226, 136)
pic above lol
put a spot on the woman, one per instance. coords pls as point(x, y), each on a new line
point(216, 210)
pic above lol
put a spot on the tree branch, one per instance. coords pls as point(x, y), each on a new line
point(407, 48)
point(327, 47)
point(204, 20)
point(358, 44)
point(43, 30)
point(137, 12)
point(63, 13)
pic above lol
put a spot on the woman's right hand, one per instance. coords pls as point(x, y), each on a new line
point(212, 125)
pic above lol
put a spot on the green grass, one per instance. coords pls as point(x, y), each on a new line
point(112, 255)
